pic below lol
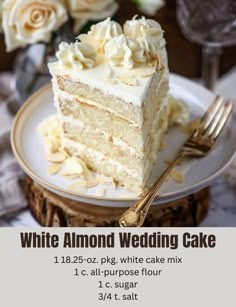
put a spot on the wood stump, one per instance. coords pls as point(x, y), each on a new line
point(52, 210)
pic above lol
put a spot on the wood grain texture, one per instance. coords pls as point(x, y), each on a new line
point(51, 210)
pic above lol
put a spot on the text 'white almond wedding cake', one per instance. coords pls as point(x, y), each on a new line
point(110, 89)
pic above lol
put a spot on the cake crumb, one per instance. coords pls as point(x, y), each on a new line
point(179, 112)
point(177, 176)
point(100, 191)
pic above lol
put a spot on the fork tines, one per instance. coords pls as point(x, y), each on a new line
point(215, 118)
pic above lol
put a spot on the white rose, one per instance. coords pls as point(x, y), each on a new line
point(77, 55)
point(84, 10)
point(101, 33)
point(123, 51)
point(150, 7)
point(30, 21)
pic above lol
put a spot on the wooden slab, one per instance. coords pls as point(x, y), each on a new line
point(51, 210)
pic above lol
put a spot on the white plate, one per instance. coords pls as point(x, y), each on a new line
point(29, 151)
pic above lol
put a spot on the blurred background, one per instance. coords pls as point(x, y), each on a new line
point(184, 56)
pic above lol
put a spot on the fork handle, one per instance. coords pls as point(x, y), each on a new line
point(135, 215)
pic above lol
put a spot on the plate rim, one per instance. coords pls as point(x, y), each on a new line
point(165, 198)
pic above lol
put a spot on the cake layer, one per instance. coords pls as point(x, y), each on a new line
point(113, 104)
point(128, 177)
point(112, 147)
point(94, 118)
point(97, 78)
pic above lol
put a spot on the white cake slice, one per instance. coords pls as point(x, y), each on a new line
point(110, 92)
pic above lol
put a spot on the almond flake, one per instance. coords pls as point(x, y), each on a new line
point(145, 72)
point(56, 157)
point(91, 183)
point(73, 166)
point(69, 177)
point(128, 80)
point(78, 186)
point(177, 176)
point(62, 150)
point(53, 169)
point(86, 172)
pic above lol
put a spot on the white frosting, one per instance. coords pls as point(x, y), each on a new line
point(101, 33)
point(151, 42)
point(124, 51)
point(76, 55)
point(99, 157)
point(146, 129)
point(149, 35)
point(95, 78)
point(137, 27)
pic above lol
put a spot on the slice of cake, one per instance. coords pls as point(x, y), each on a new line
point(110, 89)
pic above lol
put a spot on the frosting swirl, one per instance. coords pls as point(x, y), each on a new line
point(101, 33)
point(77, 55)
point(124, 51)
point(137, 27)
point(152, 43)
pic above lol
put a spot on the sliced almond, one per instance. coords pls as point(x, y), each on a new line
point(69, 177)
point(86, 172)
point(53, 169)
point(91, 183)
point(159, 64)
point(128, 80)
point(73, 166)
point(100, 191)
point(62, 150)
point(78, 186)
point(145, 72)
point(56, 157)
point(177, 176)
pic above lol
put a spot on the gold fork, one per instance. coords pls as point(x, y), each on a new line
point(198, 145)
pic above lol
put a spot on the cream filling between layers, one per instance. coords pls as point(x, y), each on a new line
point(117, 141)
point(99, 157)
point(155, 88)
